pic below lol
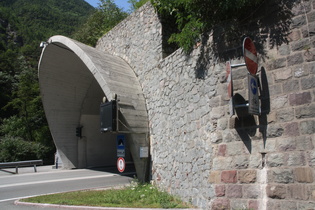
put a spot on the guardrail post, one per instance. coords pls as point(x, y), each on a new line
point(16, 169)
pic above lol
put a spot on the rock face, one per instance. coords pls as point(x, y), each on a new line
point(202, 154)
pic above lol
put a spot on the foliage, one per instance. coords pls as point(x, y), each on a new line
point(23, 25)
point(15, 149)
point(136, 4)
point(135, 196)
point(196, 17)
point(106, 16)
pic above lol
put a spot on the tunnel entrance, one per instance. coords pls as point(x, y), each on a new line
point(73, 79)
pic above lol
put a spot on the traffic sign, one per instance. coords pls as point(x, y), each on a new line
point(253, 97)
point(121, 145)
point(121, 164)
point(250, 55)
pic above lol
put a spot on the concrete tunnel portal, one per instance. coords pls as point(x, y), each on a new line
point(73, 80)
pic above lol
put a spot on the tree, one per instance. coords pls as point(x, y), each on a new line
point(136, 4)
point(196, 17)
point(106, 16)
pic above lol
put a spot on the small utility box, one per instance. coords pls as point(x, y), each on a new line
point(144, 152)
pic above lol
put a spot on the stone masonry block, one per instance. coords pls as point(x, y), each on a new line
point(295, 59)
point(229, 176)
point(282, 75)
point(286, 204)
point(279, 102)
point(215, 177)
point(284, 49)
point(302, 8)
point(302, 71)
point(220, 190)
point(276, 191)
point(247, 176)
point(294, 35)
point(305, 112)
point(253, 204)
point(222, 150)
point(298, 21)
point(273, 204)
point(234, 191)
point(277, 63)
point(309, 55)
point(296, 159)
point(308, 83)
point(291, 129)
point(275, 159)
point(286, 144)
point(304, 143)
point(235, 148)
point(300, 45)
point(307, 127)
point(251, 191)
point(311, 158)
point(303, 175)
point(220, 204)
point(285, 115)
point(298, 192)
point(222, 163)
point(274, 130)
point(238, 204)
point(296, 99)
point(290, 86)
point(311, 191)
point(311, 16)
point(280, 175)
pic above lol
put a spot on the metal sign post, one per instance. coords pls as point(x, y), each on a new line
point(230, 87)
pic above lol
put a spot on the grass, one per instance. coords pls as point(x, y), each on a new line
point(135, 196)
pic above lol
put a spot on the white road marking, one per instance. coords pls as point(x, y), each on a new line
point(57, 180)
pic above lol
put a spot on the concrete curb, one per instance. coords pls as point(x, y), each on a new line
point(44, 205)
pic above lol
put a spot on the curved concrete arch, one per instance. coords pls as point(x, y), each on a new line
point(73, 79)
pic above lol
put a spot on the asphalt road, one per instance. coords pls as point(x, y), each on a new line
point(48, 180)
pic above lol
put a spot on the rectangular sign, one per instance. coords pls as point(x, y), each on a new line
point(144, 152)
point(253, 96)
point(121, 141)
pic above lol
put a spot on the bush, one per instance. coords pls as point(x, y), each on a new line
point(16, 149)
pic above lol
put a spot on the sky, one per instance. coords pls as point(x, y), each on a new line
point(120, 3)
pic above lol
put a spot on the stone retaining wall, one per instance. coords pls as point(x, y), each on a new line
point(201, 153)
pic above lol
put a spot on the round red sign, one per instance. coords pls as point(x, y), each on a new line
point(250, 55)
point(121, 164)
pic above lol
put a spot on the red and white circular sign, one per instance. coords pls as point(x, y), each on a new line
point(250, 55)
point(121, 164)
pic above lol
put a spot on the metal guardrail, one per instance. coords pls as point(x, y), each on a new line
point(21, 164)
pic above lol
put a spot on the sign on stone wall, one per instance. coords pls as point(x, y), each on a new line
point(253, 97)
point(250, 56)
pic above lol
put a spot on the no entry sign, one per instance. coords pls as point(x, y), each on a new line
point(250, 55)
point(121, 164)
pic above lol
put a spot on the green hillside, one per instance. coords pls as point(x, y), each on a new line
point(24, 133)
